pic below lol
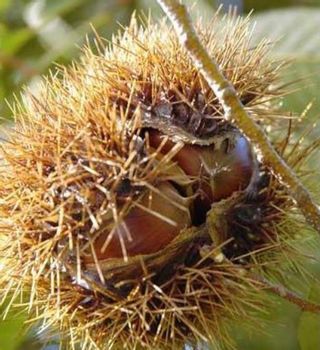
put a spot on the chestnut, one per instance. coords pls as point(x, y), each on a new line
point(154, 220)
point(218, 171)
point(149, 225)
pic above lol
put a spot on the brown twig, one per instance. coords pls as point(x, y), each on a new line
point(16, 63)
point(235, 111)
point(286, 294)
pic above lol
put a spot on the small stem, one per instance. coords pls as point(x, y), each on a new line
point(277, 289)
point(287, 294)
point(235, 111)
point(17, 64)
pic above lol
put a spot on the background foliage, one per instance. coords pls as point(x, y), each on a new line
point(36, 34)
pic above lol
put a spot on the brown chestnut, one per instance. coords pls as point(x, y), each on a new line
point(150, 225)
point(218, 171)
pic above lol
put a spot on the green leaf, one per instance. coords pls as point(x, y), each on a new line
point(58, 8)
point(12, 329)
point(12, 41)
point(294, 30)
point(309, 325)
point(271, 4)
point(295, 34)
point(3, 5)
point(308, 72)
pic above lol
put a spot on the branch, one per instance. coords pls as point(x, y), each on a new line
point(286, 294)
point(17, 64)
point(262, 282)
point(235, 111)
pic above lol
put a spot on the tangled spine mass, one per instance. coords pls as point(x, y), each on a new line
point(131, 211)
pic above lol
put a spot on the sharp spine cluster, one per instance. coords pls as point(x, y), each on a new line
point(125, 197)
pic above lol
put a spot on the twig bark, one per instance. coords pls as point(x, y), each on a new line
point(235, 111)
point(287, 294)
point(17, 64)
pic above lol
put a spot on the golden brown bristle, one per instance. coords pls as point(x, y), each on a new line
point(125, 195)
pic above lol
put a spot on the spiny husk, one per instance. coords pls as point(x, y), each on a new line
point(64, 163)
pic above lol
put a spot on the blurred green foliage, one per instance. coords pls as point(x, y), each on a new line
point(273, 4)
point(36, 34)
point(309, 326)
point(12, 329)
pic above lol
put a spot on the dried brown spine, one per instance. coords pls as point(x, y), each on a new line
point(81, 156)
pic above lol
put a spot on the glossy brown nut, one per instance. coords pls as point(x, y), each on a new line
point(218, 172)
point(150, 230)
